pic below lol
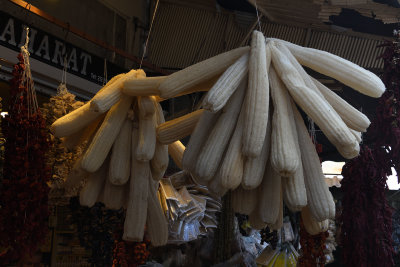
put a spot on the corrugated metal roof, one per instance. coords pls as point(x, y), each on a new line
point(183, 36)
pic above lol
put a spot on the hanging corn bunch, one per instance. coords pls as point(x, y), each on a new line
point(248, 136)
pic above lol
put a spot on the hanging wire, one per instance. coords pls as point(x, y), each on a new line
point(148, 36)
point(258, 17)
point(105, 76)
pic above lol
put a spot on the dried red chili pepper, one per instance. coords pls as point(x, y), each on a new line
point(23, 198)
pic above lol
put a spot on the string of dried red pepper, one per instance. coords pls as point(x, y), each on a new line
point(312, 248)
point(24, 192)
point(366, 220)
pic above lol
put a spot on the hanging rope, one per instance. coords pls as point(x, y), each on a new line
point(258, 17)
point(148, 36)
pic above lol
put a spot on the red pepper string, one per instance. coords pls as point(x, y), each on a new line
point(312, 248)
point(366, 220)
point(24, 192)
point(129, 254)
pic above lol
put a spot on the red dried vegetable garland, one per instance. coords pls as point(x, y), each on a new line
point(367, 217)
point(23, 198)
point(312, 248)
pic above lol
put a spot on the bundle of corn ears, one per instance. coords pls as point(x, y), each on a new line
point(238, 142)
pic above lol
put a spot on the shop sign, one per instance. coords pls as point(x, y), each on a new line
point(52, 50)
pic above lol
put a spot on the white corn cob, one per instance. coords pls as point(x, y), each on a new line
point(339, 68)
point(105, 136)
point(120, 160)
point(203, 86)
point(111, 94)
point(226, 85)
point(284, 159)
point(231, 169)
point(160, 160)
point(319, 198)
point(212, 151)
point(83, 135)
point(136, 212)
point(279, 222)
point(147, 139)
point(74, 121)
point(311, 225)
point(293, 188)
point(353, 118)
point(357, 135)
point(253, 171)
point(176, 150)
point(257, 97)
point(113, 195)
point(178, 128)
point(214, 185)
point(93, 186)
point(157, 226)
point(142, 86)
point(146, 106)
point(244, 201)
point(315, 106)
point(197, 139)
point(255, 219)
point(182, 80)
point(270, 195)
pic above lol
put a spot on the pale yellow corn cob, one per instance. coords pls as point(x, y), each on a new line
point(176, 150)
point(142, 86)
point(231, 169)
point(182, 80)
point(83, 135)
point(157, 226)
point(108, 97)
point(255, 220)
point(146, 106)
point(257, 97)
point(93, 186)
point(136, 212)
point(120, 160)
point(353, 118)
point(203, 86)
point(270, 192)
point(253, 171)
point(311, 225)
point(215, 186)
point(113, 195)
point(197, 139)
point(244, 201)
point(178, 128)
point(279, 222)
point(147, 139)
point(284, 159)
point(315, 106)
point(319, 198)
point(105, 136)
point(226, 85)
point(74, 121)
point(213, 149)
point(160, 160)
point(339, 68)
